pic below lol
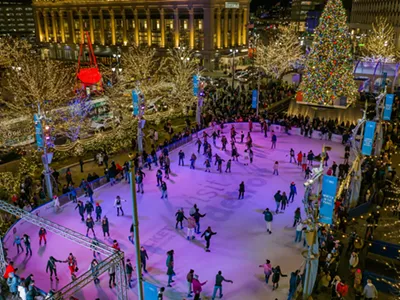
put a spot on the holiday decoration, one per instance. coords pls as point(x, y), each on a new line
point(280, 56)
point(328, 76)
point(380, 46)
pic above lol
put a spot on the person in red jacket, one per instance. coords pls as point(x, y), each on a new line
point(9, 269)
point(42, 236)
point(342, 289)
point(197, 287)
point(116, 245)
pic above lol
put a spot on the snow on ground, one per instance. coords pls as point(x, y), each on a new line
point(241, 243)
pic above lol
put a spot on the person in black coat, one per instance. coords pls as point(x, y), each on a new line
point(105, 226)
point(81, 209)
point(143, 258)
point(207, 234)
point(90, 225)
point(293, 283)
point(89, 208)
point(180, 216)
point(276, 276)
point(241, 190)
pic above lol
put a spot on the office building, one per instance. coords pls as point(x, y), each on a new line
point(16, 18)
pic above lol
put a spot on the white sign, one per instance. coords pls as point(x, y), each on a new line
point(232, 5)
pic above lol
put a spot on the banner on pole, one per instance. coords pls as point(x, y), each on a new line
point(387, 113)
point(150, 291)
point(368, 141)
point(329, 185)
point(38, 131)
point(254, 99)
point(135, 103)
point(195, 85)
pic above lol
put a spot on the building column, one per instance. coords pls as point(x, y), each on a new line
point(233, 31)
point(226, 25)
point(176, 27)
point(61, 16)
point(244, 28)
point(148, 23)
point(218, 28)
point(91, 28)
point(112, 17)
point(239, 39)
point(46, 27)
point(124, 38)
point(162, 25)
point(39, 25)
point(135, 13)
point(208, 27)
point(191, 28)
point(71, 27)
point(54, 25)
point(81, 34)
point(102, 39)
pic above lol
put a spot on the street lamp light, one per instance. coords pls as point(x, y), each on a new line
point(233, 52)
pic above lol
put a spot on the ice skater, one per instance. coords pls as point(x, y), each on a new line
point(42, 236)
point(224, 142)
point(218, 285)
point(57, 206)
point(234, 153)
point(276, 275)
point(143, 258)
point(170, 267)
point(164, 192)
point(118, 205)
point(293, 191)
point(89, 226)
point(89, 208)
point(307, 173)
point(99, 210)
point(278, 199)
point(94, 267)
point(292, 156)
point(105, 226)
point(198, 143)
point(228, 166)
point(192, 161)
point(267, 270)
point(276, 168)
point(219, 161)
point(159, 177)
point(284, 201)
point(27, 242)
point(129, 270)
point(208, 166)
point(51, 266)
point(299, 158)
point(268, 217)
point(180, 216)
point(191, 227)
point(81, 210)
point(17, 242)
point(181, 156)
point(72, 265)
point(207, 234)
point(241, 190)
point(139, 181)
point(273, 140)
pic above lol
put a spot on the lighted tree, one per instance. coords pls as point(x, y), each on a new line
point(281, 55)
point(12, 50)
point(328, 74)
point(380, 45)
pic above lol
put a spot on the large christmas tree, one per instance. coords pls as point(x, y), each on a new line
point(328, 76)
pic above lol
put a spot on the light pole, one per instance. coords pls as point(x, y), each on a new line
point(258, 74)
point(233, 52)
point(117, 68)
point(135, 222)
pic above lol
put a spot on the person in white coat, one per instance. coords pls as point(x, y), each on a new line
point(118, 205)
point(56, 201)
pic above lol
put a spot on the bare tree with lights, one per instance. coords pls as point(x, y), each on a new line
point(380, 44)
point(12, 50)
point(280, 56)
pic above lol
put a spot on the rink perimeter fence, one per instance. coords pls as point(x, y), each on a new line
point(95, 184)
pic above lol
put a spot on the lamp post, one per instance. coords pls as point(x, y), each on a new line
point(233, 52)
point(117, 68)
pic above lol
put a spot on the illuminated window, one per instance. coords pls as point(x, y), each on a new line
point(200, 24)
point(158, 24)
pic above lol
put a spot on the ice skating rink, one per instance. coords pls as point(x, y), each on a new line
point(241, 243)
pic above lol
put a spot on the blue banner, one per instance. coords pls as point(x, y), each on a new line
point(368, 141)
point(150, 291)
point(254, 99)
point(135, 103)
point(329, 185)
point(387, 113)
point(38, 131)
point(195, 85)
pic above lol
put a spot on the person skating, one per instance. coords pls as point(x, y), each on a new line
point(197, 287)
point(219, 162)
point(98, 212)
point(164, 192)
point(293, 191)
point(180, 216)
point(89, 225)
point(235, 154)
point(273, 140)
point(304, 162)
point(72, 265)
point(218, 284)
point(267, 270)
point(292, 156)
point(224, 142)
point(129, 271)
point(251, 155)
point(278, 199)
point(118, 205)
point(197, 215)
point(268, 219)
point(181, 156)
point(276, 168)
point(198, 143)
point(105, 226)
point(143, 258)
point(27, 243)
point(131, 237)
point(193, 161)
point(191, 227)
point(297, 216)
point(241, 137)
point(284, 201)
point(94, 267)
point(57, 205)
point(17, 242)
point(299, 158)
point(89, 208)
point(42, 236)
point(241, 190)
point(276, 276)
point(189, 280)
point(228, 166)
point(310, 158)
point(139, 182)
point(208, 166)
point(81, 210)
point(293, 283)
point(299, 231)
point(51, 266)
point(116, 246)
point(207, 234)
point(159, 177)
point(307, 173)
point(111, 274)
point(170, 267)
